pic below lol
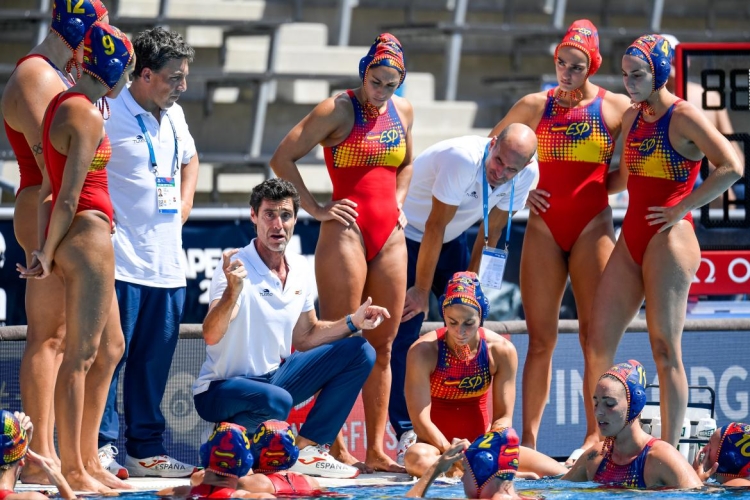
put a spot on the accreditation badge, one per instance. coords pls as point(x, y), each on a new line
point(492, 267)
point(167, 196)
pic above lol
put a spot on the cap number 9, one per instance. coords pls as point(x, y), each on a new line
point(109, 45)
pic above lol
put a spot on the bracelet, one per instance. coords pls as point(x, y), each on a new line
point(350, 324)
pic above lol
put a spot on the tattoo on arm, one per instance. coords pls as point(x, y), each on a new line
point(37, 148)
point(592, 455)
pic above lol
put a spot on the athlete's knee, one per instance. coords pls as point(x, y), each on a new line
point(81, 361)
point(418, 459)
point(541, 345)
point(111, 351)
point(39, 338)
point(666, 354)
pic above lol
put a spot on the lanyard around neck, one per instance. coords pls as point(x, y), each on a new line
point(486, 200)
point(151, 154)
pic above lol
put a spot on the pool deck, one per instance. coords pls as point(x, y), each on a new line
point(157, 483)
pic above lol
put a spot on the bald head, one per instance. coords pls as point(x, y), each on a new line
point(518, 140)
point(512, 150)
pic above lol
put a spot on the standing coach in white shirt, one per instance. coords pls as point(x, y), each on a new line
point(443, 201)
point(152, 178)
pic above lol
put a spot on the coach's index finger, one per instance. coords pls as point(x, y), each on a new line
point(227, 257)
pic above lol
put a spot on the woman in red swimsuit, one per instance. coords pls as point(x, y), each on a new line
point(657, 254)
point(449, 374)
point(570, 229)
point(77, 247)
point(628, 457)
point(361, 252)
point(38, 77)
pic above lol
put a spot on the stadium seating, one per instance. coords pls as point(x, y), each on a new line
point(261, 65)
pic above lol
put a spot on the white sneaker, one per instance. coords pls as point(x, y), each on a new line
point(158, 466)
point(408, 438)
point(107, 455)
point(314, 460)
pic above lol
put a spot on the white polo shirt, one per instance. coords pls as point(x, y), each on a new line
point(260, 336)
point(451, 171)
point(147, 243)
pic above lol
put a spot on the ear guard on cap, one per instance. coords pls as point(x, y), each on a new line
point(495, 454)
point(273, 447)
point(734, 457)
point(464, 288)
point(227, 451)
point(71, 19)
point(633, 377)
point(107, 53)
point(13, 439)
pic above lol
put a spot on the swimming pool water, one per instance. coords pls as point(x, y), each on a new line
point(548, 489)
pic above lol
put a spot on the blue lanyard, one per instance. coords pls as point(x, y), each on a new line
point(152, 156)
point(486, 200)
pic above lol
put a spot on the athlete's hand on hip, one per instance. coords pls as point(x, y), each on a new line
point(537, 201)
point(369, 316)
point(667, 216)
point(234, 270)
point(339, 210)
point(416, 301)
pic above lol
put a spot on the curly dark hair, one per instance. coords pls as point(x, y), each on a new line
point(274, 190)
point(154, 48)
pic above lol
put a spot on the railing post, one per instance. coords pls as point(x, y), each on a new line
point(262, 98)
point(558, 18)
point(44, 24)
point(656, 14)
point(453, 50)
point(345, 21)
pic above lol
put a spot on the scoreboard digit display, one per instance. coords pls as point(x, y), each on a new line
point(715, 77)
point(721, 69)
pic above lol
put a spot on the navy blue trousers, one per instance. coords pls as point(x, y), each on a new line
point(150, 319)
point(454, 257)
point(338, 370)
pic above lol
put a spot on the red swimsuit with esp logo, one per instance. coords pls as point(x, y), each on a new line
point(27, 167)
point(459, 391)
point(658, 176)
point(363, 169)
point(575, 150)
point(94, 193)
